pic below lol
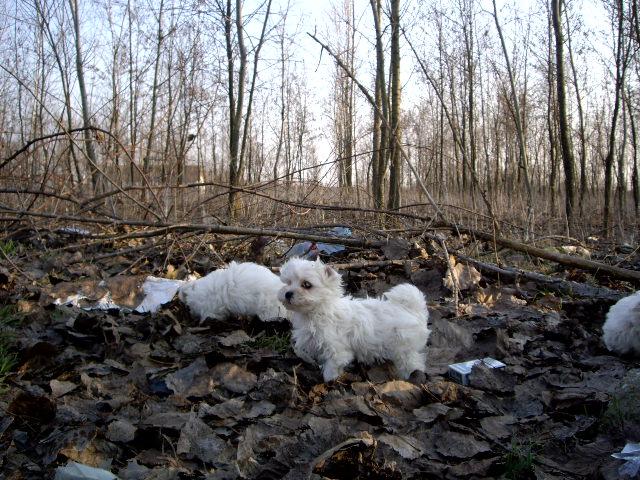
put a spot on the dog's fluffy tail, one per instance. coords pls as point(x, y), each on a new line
point(409, 297)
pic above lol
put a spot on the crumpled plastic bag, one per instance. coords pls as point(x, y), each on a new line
point(630, 453)
point(153, 293)
point(311, 250)
point(79, 471)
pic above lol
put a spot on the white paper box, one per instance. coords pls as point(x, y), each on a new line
point(460, 371)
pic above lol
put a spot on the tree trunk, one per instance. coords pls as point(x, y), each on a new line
point(380, 114)
point(583, 142)
point(522, 145)
point(621, 66)
point(86, 115)
point(236, 98)
point(395, 179)
point(634, 174)
point(154, 91)
point(256, 57)
point(565, 133)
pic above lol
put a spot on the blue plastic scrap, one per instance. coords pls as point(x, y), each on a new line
point(311, 250)
point(630, 453)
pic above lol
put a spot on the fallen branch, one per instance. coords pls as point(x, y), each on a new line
point(363, 264)
point(211, 228)
point(559, 285)
point(562, 259)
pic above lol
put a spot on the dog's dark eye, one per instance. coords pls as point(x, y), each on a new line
point(306, 285)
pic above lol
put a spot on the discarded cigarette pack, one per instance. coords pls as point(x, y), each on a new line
point(460, 371)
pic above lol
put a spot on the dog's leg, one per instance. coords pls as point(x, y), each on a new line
point(303, 345)
point(303, 354)
point(334, 366)
point(409, 362)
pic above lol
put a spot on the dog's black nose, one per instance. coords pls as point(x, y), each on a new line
point(288, 295)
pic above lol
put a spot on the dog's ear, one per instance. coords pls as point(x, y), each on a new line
point(330, 272)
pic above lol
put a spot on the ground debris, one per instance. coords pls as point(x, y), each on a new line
point(161, 395)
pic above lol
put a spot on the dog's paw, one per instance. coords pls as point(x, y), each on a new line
point(331, 372)
point(417, 377)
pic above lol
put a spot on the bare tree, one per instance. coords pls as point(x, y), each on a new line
point(581, 127)
point(517, 117)
point(380, 113)
point(395, 179)
point(344, 94)
point(86, 114)
point(160, 37)
point(565, 133)
point(621, 63)
point(237, 116)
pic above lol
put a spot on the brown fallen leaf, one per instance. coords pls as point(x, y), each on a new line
point(32, 409)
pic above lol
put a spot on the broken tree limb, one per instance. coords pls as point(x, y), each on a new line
point(562, 259)
point(211, 228)
point(363, 264)
point(559, 285)
point(567, 260)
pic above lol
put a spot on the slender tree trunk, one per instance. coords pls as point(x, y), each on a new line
point(395, 179)
point(74, 165)
point(565, 133)
point(635, 185)
point(282, 101)
point(522, 145)
point(86, 115)
point(622, 181)
point(621, 65)
point(256, 57)
point(236, 96)
point(380, 113)
point(154, 91)
point(470, 80)
point(133, 99)
point(581, 129)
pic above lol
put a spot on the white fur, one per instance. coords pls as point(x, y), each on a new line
point(621, 330)
point(239, 289)
point(332, 329)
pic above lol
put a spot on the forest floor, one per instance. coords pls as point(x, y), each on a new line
point(162, 396)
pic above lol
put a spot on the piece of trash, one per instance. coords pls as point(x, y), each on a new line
point(81, 232)
point(630, 453)
point(311, 250)
point(575, 250)
point(77, 300)
point(157, 291)
point(127, 294)
point(79, 471)
point(460, 371)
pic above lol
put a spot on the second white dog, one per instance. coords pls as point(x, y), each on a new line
point(332, 329)
point(621, 331)
point(239, 289)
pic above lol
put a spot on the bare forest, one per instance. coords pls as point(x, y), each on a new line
point(485, 151)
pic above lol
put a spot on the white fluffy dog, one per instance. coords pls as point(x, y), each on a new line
point(239, 289)
point(332, 329)
point(621, 330)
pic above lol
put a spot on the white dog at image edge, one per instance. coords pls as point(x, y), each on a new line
point(239, 289)
point(332, 329)
point(621, 330)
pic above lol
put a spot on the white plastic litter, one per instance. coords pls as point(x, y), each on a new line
point(74, 231)
point(78, 471)
point(460, 371)
point(75, 300)
point(630, 453)
point(157, 291)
